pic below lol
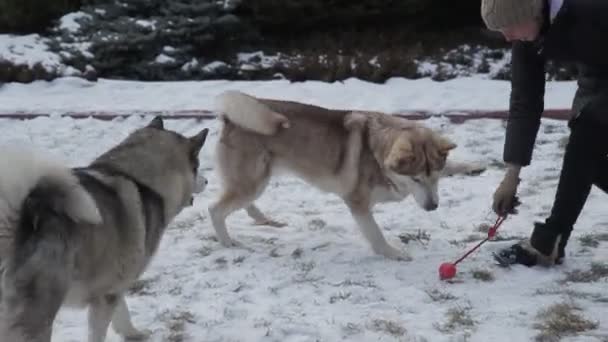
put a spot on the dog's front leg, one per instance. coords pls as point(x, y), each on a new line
point(372, 233)
point(101, 310)
point(122, 324)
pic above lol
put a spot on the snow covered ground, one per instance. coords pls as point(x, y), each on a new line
point(316, 279)
point(396, 95)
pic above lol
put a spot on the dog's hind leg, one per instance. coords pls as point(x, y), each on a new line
point(29, 306)
point(101, 310)
point(121, 322)
point(231, 201)
point(244, 178)
point(260, 219)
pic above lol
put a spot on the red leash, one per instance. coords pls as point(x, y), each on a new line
point(491, 234)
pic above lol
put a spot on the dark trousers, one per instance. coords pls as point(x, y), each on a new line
point(585, 164)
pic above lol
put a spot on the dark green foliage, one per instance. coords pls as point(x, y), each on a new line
point(27, 16)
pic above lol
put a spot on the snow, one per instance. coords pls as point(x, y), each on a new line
point(258, 58)
point(396, 95)
point(70, 23)
point(149, 24)
point(28, 50)
point(316, 279)
point(190, 65)
point(164, 59)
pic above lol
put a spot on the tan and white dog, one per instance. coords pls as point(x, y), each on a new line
point(364, 157)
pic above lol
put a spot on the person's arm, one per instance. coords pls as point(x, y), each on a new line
point(526, 105)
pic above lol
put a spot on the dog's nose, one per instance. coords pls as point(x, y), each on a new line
point(201, 184)
point(430, 206)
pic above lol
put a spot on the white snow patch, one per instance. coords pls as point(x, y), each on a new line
point(211, 67)
point(164, 59)
point(69, 21)
point(193, 64)
point(28, 50)
point(150, 24)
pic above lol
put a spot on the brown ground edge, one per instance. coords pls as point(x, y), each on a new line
point(455, 117)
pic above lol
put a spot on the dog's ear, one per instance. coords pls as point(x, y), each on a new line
point(157, 123)
point(197, 142)
point(401, 156)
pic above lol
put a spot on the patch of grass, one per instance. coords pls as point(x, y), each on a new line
point(561, 320)
point(595, 273)
point(387, 326)
point(297, 253)
point(439, 296)
point(204, 251)
point(316, 224)
point(484, 228)
point(483, 275)
point(221, 262)
point(303, 275)
point(142, 287)
point(594, 297)
point(421, 236)
point(350, 329)
point(339, 297)
point(348, 282)
point(176, 323)
point(593, 240)
point(458, 318)
point(238, 260)
point(321, 246)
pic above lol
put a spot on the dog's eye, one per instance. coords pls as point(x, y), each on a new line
point(416, 180)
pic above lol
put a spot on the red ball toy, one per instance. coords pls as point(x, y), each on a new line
point(447, 270)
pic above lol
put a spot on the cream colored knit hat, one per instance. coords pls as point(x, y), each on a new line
point(498, 14)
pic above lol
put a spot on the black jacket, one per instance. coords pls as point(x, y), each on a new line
point(579, 34)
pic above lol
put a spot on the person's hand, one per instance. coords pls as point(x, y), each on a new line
point(505, 199)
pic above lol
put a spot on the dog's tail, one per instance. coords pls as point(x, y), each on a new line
point(33, 186)
point(250, 113)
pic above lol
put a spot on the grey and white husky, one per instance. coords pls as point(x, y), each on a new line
point(82, 236)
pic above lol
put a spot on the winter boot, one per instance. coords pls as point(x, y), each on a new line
point(545, 247)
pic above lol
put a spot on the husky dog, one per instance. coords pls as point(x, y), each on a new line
point(363, 157)
point(82, 236)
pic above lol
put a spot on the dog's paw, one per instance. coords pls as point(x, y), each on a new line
point(354, 121)
point(453, 168)
point(393, 253)
point(270, 223)
point(228, 243)
point(137, 335)
point(475, 169)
